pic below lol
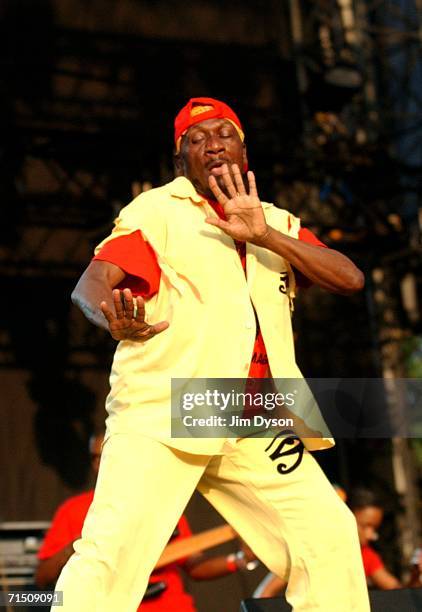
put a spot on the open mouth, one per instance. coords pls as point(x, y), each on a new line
point(216, 167)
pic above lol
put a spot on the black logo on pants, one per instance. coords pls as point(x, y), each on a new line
point(289, 448)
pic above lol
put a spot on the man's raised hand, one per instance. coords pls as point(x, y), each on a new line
point(245, 217)
point(123, 324)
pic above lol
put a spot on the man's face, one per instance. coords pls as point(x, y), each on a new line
point(368, 521)
point(205, 147)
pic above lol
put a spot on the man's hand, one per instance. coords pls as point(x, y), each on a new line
point(245, 217)
point(246, 222)
point(124, 325)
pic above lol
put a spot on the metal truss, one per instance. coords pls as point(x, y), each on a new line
point(359, 70)
point(363, 158)
point(377, 44)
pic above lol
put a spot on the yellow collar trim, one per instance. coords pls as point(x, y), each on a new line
point(182, 188)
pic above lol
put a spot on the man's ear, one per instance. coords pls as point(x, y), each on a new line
point(178, 164)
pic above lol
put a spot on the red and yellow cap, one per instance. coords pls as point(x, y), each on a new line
point(201, 109)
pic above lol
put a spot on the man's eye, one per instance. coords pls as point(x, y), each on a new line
point(197, 138)
point(225, 134)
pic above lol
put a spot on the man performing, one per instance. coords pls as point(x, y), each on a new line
point(216, 268)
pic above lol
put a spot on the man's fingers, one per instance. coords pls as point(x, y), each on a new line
point(223, 199)
point(151, 330)
point(228, 181)
point(160, 327)
point(224, 225)
point(252, 184)
point(140, 310)
point(213, 221)
point(118, 306)
point(109, 315)
point(131, 329)
point(128, 303)
point(240, 186)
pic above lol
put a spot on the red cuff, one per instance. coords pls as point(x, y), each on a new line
point(136, 257)
point(309, 237)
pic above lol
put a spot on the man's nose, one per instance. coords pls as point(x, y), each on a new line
point(214, 144)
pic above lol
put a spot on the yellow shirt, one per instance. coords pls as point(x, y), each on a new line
point(209, 305)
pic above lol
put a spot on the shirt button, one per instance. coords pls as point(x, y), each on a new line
point(248, 325)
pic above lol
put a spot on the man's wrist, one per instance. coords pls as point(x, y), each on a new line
point(262, 240)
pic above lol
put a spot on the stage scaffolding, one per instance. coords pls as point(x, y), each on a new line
point(363, 146)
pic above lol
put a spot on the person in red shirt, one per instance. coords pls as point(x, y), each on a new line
point(169, 594)
point(369, 515)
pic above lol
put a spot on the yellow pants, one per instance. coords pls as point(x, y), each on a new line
point(273, 494)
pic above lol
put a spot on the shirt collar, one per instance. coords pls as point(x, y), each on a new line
point(182, 188)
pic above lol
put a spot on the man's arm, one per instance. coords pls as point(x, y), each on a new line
point(112, 309)
point(94, 287)
point(48, 570)
point(327, 268)
point(246, 222)
point(382, 579)
point(201, 567)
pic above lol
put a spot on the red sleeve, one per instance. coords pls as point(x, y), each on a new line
point(309, 237)
point(137, 259)
point(371, 561)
